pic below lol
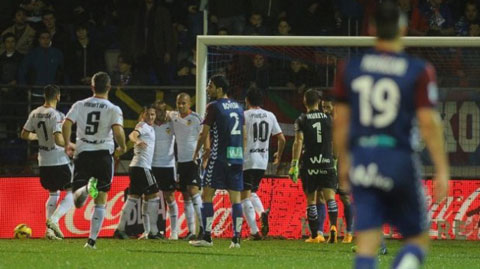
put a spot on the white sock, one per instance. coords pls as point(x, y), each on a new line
point(146, 219)
point(51, 204)
point(257, 203)
point(152, 212)
point(63, 207)
point(97, 220)
point(197, 204)
point(190, 215)
point(173, 212)
point(249, 213)
point(127, 209)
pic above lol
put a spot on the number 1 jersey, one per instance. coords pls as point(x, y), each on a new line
point(95, 118)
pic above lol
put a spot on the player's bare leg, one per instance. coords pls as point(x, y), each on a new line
point(329, 195)
point(368, 242)
point(173, 213)
point(250, 215)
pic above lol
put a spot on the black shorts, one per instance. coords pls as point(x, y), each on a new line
point(142, 181)
point(165, 177)
point(98, 164)
point(188, 175)
point(252, 178)
point(317, 179)
point(54, 178)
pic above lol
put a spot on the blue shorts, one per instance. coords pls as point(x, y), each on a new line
point(387, 188)
point(224, 176)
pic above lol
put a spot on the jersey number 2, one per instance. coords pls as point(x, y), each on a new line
point(93, 120)
point(383, 96)
point(235, 129)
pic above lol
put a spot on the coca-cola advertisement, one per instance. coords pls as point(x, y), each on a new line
point(22, 200)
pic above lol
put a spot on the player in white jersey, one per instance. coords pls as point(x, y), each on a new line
point(98, 123)
point(45, 124)
point(142, 181)
point(163, 164)
point(187, 126)
point(261, 125)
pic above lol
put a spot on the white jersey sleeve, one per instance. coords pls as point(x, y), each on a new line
point(260, 125)
point(45, 122)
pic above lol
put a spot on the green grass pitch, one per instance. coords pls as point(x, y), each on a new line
point(112, 253)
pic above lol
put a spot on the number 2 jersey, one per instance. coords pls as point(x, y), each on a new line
point(260, 125)
point(45, 122)
point(316, 127)
point(225, 118)
point(95, 118)
point(384, 90)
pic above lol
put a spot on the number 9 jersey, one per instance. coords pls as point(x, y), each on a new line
point(384, 90)
point(95, 118)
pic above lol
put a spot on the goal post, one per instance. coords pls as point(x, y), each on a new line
point(457, 60)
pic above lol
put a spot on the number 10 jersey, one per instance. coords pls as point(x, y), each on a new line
point(95, 118)
point(260, 124)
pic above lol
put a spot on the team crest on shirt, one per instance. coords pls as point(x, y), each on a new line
point(189, 122)
point(168, 131)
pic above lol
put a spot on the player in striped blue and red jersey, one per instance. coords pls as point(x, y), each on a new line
point(382, 95)
point(224, 122)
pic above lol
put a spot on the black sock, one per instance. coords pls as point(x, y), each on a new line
point(312, 220)
point(332, 212)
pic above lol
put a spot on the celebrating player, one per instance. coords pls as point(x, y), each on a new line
point(45, 124)
point(96, 118)
point(313, 132)
point(260, 125)
point(187, 126)
point(224, 121)
point(142, 182)
point(163, 164)
point(380, 95)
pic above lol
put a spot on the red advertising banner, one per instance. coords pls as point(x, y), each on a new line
point(22, 200)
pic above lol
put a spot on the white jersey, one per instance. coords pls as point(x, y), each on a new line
point(164, 155)
point(186, 134)
point(45, 122)
point(95, 118)
point(143, 156)
point(260, 124)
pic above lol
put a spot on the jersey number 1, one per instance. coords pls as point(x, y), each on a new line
point(383, 96)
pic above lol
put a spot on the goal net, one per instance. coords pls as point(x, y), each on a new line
point(285, 66)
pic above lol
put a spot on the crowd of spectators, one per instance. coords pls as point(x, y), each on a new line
point(65, 42)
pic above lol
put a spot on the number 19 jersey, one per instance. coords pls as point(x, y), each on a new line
point(260, 125)
point(95, 118)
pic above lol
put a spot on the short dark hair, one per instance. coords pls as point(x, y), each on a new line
point(50, 91)
point(221, 81)
point(255, 96)
point(387, 20)
point(100, 81)
point(7, 35)
point(312, 97)
point(43, 30)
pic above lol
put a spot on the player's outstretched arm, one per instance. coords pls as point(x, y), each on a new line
point(134, 136)
point(341, 124)
point(431, 130)
point(119, 135)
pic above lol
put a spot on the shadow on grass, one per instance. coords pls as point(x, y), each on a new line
point(192, 253)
